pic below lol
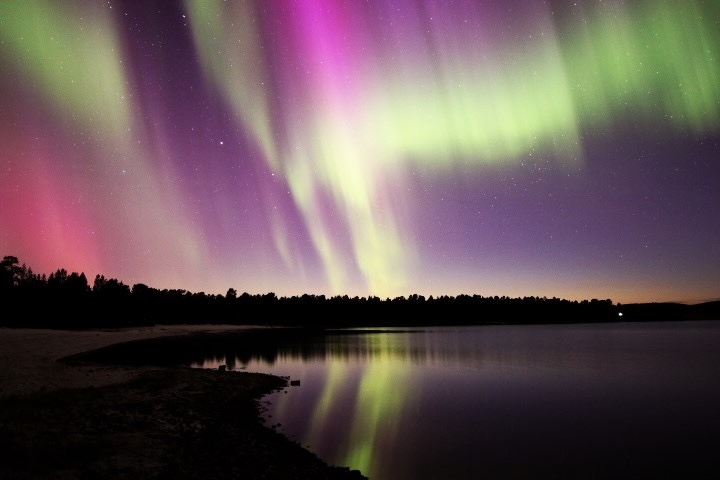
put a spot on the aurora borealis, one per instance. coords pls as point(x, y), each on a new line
point(519, 148)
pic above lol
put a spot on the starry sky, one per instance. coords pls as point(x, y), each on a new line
point(520, 148)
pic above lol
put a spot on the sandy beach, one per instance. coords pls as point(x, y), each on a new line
point(61, 420)
point(29, 357)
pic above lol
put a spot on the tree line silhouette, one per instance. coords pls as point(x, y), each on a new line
point(65, 299)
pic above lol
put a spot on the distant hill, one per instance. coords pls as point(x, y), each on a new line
point(643, 312)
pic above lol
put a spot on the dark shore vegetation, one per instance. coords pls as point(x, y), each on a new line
point(67, 300)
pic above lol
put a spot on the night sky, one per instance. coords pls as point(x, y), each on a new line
point(519, 148)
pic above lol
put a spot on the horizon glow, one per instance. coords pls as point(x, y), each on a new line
point(378, 148)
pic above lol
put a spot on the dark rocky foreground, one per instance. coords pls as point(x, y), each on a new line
point(174, 423)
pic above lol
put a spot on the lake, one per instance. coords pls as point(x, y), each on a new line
point(502, 402)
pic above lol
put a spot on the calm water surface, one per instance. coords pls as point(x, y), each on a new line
point(577, 401)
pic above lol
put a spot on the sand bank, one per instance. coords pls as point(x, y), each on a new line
point(60, 420)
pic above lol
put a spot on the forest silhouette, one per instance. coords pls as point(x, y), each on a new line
point(67, 300)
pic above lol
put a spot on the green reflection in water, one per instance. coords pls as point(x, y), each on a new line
point(383, 393)
point(337, 377)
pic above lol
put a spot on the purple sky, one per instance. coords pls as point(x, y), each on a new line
point(559, 149)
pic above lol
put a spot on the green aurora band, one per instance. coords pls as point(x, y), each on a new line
point(352, 141)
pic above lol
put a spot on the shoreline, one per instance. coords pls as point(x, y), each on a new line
point(69, 420)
